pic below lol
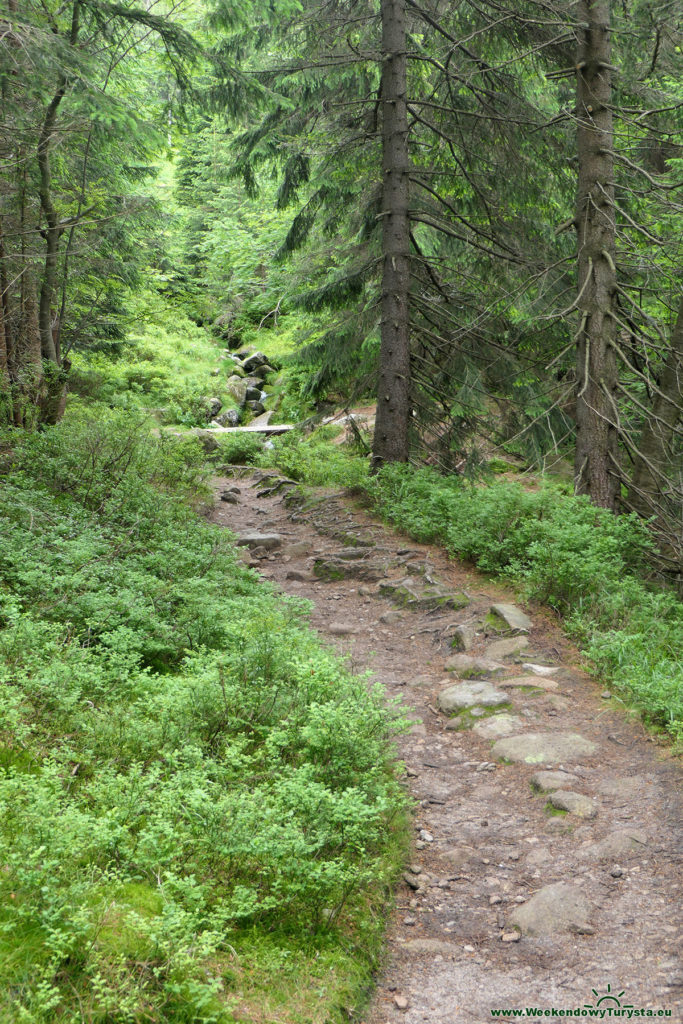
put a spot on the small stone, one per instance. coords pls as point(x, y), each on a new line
point(463, 638)
point(547, 782)
point(574, 803)
point(426, 836)
point(415, 869)
point(520, 899)
point(606, 695)
point(504, 648)
point(493, 900)
point(511, 936)
point(340, 629)
point(540, 670)
point(616, 871)
point(229, 497)
point(497, 726)
point(410, 922)
point(431, 946)
point(392, 616)
point(412, 881)
point(469, 949)
point(300, 577)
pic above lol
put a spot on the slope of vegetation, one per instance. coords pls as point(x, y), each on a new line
point(196, 796)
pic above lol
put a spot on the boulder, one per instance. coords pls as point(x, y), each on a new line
point(548, 782)
point(554, 909)
point(237, 389)
point(254, 360)
point(513, 618)
point(573, 803)
point(468, 666)
point(257, 408)
point(616, 845)
point(230, 418)
point(263, 371)
point(213, 407)
point(544, 748)
point(497, 725)
point(259, 540)
point(252, 394)
point(507, 646)
point(467, 695)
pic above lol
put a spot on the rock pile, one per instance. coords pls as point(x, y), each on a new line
point(250, 372)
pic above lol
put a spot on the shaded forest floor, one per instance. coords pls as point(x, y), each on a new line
point(508, 901)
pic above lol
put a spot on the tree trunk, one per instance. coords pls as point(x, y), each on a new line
point(595, 466)
point(654, 456)
point(393, 389)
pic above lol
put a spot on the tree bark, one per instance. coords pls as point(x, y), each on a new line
point(393, 388)
point(654, 457)
point(595, 466)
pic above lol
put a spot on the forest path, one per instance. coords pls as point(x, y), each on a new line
point(596, 891)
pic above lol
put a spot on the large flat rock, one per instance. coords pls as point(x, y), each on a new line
point(544, 748)
point(513, 617)
point(496, 726)
point(573, 803)
point(548, 782)
point(468, 666)
point(554, 909)
point(616, 845)
point(479, 694)
point(259, 540)
point(412, 593)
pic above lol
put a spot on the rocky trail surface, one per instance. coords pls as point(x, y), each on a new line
point(546, 869)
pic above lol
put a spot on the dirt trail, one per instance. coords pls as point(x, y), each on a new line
point(508, 903)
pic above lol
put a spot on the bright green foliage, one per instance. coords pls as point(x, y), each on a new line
point(187, 777)
point(581, 560)
point(316, 461)
point(168, 366)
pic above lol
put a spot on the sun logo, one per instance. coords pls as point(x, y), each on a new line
point(610, 998)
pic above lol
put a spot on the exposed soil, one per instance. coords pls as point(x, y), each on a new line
point(485, 841)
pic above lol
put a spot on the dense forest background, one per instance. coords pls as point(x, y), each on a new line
point(480, 203)
point(462, 218)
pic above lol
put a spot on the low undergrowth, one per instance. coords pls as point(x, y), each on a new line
point(587, 564)
point(590, 566)
point(199, 817)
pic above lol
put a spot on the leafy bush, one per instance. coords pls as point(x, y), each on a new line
point(240, 449)
point(183, 768)
point(587, 564)
point(315, 460)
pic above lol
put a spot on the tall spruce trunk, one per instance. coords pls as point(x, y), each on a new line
point(595, 466)
point(655, 459)
point(393, 387)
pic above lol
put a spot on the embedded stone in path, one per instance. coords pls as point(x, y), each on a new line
point(513, 617)
point(341, 628)
point(544, 748)
point(616, 845)
point(498, 725)
point(463, 637)
point(468, 695)
point(431, 946)
point(332, 569)
point(573, 803)
point(541, 670)
point(259, 540)
point(423, 597)
point(468, 666)
point(537, 682)
point(553, 909)
point(507, 646)
point(547, 782)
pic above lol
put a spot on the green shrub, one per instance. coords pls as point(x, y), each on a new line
point(315, 460)
point(240, 449)
point(587, 564)
point(183, 768)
